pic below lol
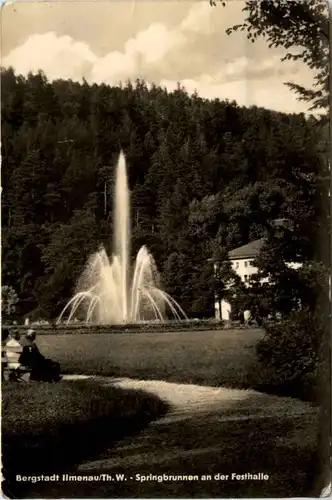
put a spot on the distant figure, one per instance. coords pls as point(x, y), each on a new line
point(4, 339)
point(42, 369)
point(247, 317)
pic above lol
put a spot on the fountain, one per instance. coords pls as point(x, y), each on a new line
point(105, 293)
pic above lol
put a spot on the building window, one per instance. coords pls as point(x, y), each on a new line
point(246, 264)
point(236, 265)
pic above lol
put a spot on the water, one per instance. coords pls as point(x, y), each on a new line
point(109, 291)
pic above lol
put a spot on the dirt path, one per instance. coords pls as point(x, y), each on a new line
point(198, 409)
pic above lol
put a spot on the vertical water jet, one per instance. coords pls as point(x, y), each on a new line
point(105, 293)
point(122, 230)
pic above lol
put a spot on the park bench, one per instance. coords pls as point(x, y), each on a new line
point(17, 372)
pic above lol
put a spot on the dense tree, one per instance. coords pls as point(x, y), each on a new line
point(227, 284)
point(203, 175)
point(302, 28)
point(64, 258)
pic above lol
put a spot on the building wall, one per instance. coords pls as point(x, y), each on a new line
point(244, 268)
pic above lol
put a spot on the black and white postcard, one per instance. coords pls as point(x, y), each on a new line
point(166, 243)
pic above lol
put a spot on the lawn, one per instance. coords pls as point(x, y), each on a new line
point(211, 357)
point(219, 357)
point(48, 428)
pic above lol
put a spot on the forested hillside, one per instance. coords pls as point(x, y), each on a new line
point(205, 177)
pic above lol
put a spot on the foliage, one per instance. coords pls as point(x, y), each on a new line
point(227, 283)
point(288, 279)
point(64, 260)
point(291, 347)
point(9, 299)
point(302, 29)
point(204, 175)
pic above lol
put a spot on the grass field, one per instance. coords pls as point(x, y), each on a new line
point(211, 357)
point(224, 357)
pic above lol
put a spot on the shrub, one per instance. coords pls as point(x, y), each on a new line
point(290, 348)
point(9, 300)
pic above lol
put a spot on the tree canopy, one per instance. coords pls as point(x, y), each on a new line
point(205, 176)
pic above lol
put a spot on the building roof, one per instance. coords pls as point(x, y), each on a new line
point(249, 251)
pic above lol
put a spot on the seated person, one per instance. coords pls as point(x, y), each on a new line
point(4, 339)
point(42, 369)
point(13, 349)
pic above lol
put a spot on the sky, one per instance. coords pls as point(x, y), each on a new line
point(164, 42)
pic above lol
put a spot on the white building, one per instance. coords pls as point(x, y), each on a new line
point(242, 259)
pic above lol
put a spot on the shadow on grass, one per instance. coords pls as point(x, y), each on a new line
point(282, 445)
point(262, 378)
point(91, 419)
point(302, 389)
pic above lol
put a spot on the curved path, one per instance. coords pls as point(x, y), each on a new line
point(189, 400)
point(210, 430)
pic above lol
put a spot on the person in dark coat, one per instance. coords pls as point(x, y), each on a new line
point(42, 369)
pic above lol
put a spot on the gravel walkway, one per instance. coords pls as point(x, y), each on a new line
point(190, 399)
point(204, 407)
